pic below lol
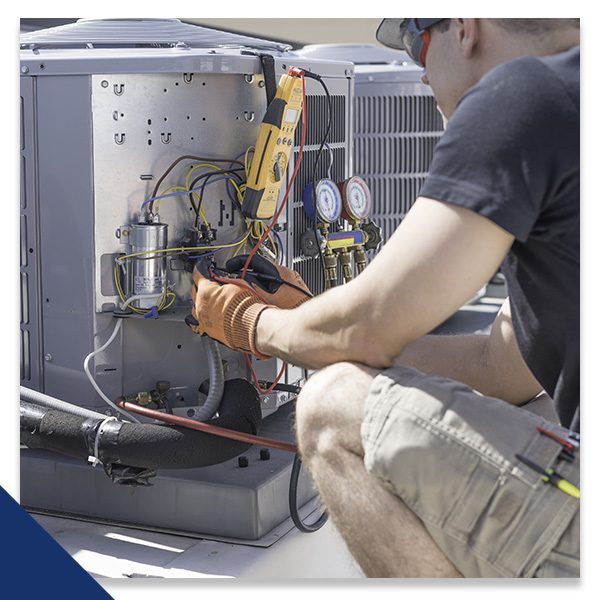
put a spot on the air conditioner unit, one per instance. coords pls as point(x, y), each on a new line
point(106, 107)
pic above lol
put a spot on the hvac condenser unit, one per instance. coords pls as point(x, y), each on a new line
point(396, 126)
point(107, 107)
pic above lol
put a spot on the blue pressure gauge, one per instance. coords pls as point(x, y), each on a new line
point(328, 200)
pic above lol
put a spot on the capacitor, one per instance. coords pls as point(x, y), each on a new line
point(148, 271)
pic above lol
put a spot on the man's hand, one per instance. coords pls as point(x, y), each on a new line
point(227, 313)
point(276, 284)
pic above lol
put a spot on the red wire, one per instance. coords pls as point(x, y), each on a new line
point(257, 384)
point(268, 230)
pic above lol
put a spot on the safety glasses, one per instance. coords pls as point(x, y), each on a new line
point(410, 35)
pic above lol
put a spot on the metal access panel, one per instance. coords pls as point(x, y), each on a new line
point(104, 125)
point(106, 108)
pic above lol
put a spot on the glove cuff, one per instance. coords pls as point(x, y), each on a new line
point(302, 300)
point(240, 319)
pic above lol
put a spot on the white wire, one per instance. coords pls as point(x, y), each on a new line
point(330, 160)
point(106, 344)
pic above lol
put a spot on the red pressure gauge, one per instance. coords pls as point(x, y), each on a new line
point(356, 198)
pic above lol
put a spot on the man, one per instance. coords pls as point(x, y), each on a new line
point(418, 471)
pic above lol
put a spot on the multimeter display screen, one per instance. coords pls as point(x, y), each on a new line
point(291, 114)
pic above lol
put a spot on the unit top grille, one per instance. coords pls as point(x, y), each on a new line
point(136, 33)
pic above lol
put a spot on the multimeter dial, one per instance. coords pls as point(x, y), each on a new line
point(278, 167)
point(356, 197)
point(329, 201)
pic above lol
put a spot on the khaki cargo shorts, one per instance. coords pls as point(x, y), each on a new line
point(449, 454)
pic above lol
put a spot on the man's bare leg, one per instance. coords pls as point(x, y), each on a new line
point(385, 537)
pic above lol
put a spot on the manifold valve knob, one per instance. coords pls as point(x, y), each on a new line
point(309, 244)
point(373, 234)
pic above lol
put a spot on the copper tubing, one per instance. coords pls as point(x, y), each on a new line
point(205, 427)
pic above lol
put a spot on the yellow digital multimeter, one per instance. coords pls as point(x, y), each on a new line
point(273, 148)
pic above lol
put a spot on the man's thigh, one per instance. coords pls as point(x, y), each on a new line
point(450, 454)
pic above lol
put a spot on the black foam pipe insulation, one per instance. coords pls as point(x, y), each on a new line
point(144, 445)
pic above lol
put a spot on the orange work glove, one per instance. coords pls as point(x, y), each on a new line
point(227, 313)
point(277, 285)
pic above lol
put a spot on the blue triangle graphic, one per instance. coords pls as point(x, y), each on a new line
point(35, 563)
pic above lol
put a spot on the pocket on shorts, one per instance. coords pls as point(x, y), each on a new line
point(449, 454)
point(438, 445)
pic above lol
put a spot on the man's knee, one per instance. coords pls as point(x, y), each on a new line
point(330, 408)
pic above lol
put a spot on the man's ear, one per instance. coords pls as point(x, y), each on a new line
point(467, 35)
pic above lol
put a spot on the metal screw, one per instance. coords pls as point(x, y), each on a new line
point(104, 83)
point(261, 84)
point(48, 357)
point(24, 69)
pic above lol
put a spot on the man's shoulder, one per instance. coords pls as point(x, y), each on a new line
point(535, 78)
point(539, 87)
point(549, 65)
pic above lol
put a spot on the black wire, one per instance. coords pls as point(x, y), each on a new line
point(226, 273)
point(279, 280)
point(177, 161)
point(314, 173)
point(293, 502)
point(207, 177)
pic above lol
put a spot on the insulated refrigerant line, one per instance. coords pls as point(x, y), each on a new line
point(205, 427)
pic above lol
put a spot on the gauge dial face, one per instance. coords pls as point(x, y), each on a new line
point(329, 201)
point(357, 198)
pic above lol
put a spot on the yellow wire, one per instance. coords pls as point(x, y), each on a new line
point(246, 165)
point(162, 306)
point(237, 188)
point(136, 310)
point(174, 188)
point(183, 249)
point(199, 166)
point(274, 245)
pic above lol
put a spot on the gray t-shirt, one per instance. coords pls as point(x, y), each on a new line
point(511, 154)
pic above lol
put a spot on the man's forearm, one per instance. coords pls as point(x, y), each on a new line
point(482, 362)
point(328, 329)
point(407, 289)
point(459, 357)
